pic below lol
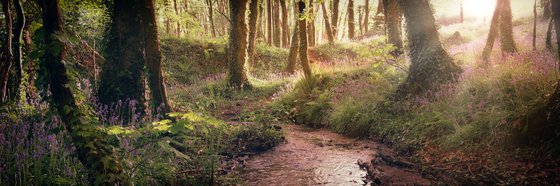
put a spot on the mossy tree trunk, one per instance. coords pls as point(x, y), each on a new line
point(253, 19)
point(393, 25)
point(431, 66)
point(18, 51)
point(238, 44)
point(92, 148)
point(493, 33)
point(311, 24)
point(506, 28)
point(7, 61)
point(294, 47)
point(122, 74)
point(328, 27)
point(285, 27)
point(366, 17)
point(334, 17)
point(154, 59)
point(351, 21)
point(303, 40)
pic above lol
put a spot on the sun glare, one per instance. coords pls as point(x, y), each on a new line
point(480, 9)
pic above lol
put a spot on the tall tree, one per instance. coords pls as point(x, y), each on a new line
point(506, 28)
point(311, 25)
point(328, 27)
point(237, 44)
point(366, 18)
point(211, 17)
point(535, 26)
point(294, 47)
point(269, 21)
point(334, 17)
point(253, 19)
point(92, 148)
point(178, 26)
point(7, 63)
point(462, 16)
point(549, 33)
point(502, 26)
point(431, 66)
point(303, 40)
point(351, 21)
point(392, 14)
point(277, 38)
point(285, 27)
point(153, 58)
point(122, 72)
point(18, 52)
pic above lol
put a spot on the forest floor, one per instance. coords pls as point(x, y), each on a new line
point(311, 156)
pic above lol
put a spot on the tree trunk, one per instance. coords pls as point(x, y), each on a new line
point(328, 27)
point(555, 7)
point(122, 75)
point(18, 52)
point(253, 19)
point(237, 44)
point(7, 63)
point(335, 4)
point(366, 18)
point(351, 20)
point(178, 29)
point(92, 147)
point(431, 66)
point(506, 28)
point(261, 23)
point(311, 25)
point(547, 12)
point(153, 59)
point(549, 34)
point(294, 47)
point(535, 26)
point(360, 19)
point(462, 13)
point(167, 18)
point(303, 40)
point(393, 24)
point(276, 20)
point(269, 21)
point(285, 27)
point(380, 7)
point(211, 17)
point(493, 33)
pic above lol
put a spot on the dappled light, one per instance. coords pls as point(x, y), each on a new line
point(279, 92)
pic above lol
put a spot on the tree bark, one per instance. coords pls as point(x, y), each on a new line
point(334, 17)
point(462, 13)
point(294, 47)
point(276, 20)
point(506, 28)
point(393, 25)
point(311, 25)
point(328, 27)
point(167, 18)
point(493, 33)
point(153, 59)
point(211, 17)
point(431, 66)
point(122, 75)
point(351, 21)
point(366, 18)
point(237, 44)
point(92, 148)
point(549, 34)
point(18, 52)
point(285, 27)
point(303, 41)
point(269, 21)
point(253, 19)
point(535, 26)
point(8, 55)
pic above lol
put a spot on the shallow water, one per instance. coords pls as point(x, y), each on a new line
point(322, 157)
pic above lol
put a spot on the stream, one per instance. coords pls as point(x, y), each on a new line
point(322, 157)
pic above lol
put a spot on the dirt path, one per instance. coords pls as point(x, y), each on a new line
point(322, 157)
